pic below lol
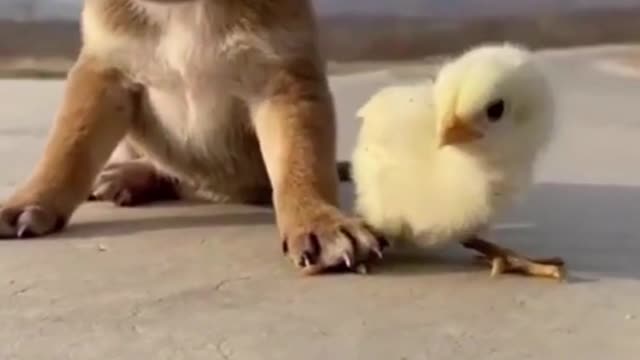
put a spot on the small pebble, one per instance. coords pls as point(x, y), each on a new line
point(102, 248)
point(629, 317)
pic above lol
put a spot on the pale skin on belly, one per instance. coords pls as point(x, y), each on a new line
point(277, 132)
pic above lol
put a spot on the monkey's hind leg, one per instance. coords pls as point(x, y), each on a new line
point(129, 179)
point(96, 112)
point(504, 260)
point(134, 183)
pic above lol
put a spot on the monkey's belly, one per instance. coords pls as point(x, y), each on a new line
point(204, 140)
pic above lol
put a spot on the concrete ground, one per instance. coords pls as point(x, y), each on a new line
point(180, 281)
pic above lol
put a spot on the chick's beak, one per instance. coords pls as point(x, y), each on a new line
point(459, 132)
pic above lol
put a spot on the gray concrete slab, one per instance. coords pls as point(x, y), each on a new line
point(199, 281)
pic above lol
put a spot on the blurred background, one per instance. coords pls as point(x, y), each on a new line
point(41, 37)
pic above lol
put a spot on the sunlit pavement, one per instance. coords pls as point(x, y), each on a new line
point(181, 281)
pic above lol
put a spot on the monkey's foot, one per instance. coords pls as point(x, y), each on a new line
point(27, 220)
point(508, 261)
point(323, 240)
point(133, 183)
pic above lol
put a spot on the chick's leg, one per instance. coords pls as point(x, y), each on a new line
point(504, 260)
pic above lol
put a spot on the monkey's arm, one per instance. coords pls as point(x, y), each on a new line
point(297, 133)
point(296, 128)
point(96, 111)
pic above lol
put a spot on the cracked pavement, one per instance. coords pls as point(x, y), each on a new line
point(200, 281)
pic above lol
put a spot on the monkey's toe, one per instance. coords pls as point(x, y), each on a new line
point(21, 222)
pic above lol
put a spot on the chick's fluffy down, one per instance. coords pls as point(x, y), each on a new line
point(403, 187)
point(407, 187)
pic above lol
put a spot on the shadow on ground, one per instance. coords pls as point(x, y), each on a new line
point(136, 222)
point(595, 228)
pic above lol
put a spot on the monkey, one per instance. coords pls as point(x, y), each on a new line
point(226, 100)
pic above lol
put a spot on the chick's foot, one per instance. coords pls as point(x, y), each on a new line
point(508, 261)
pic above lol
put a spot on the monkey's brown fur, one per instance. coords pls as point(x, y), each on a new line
point(222, 99)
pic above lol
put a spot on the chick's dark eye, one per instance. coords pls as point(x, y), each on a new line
point(495, 110)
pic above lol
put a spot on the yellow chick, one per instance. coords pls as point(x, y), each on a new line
point(437, 161)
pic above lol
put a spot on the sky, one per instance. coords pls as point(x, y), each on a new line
point(70, 9)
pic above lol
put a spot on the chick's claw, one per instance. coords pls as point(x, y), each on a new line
point(508, 261)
